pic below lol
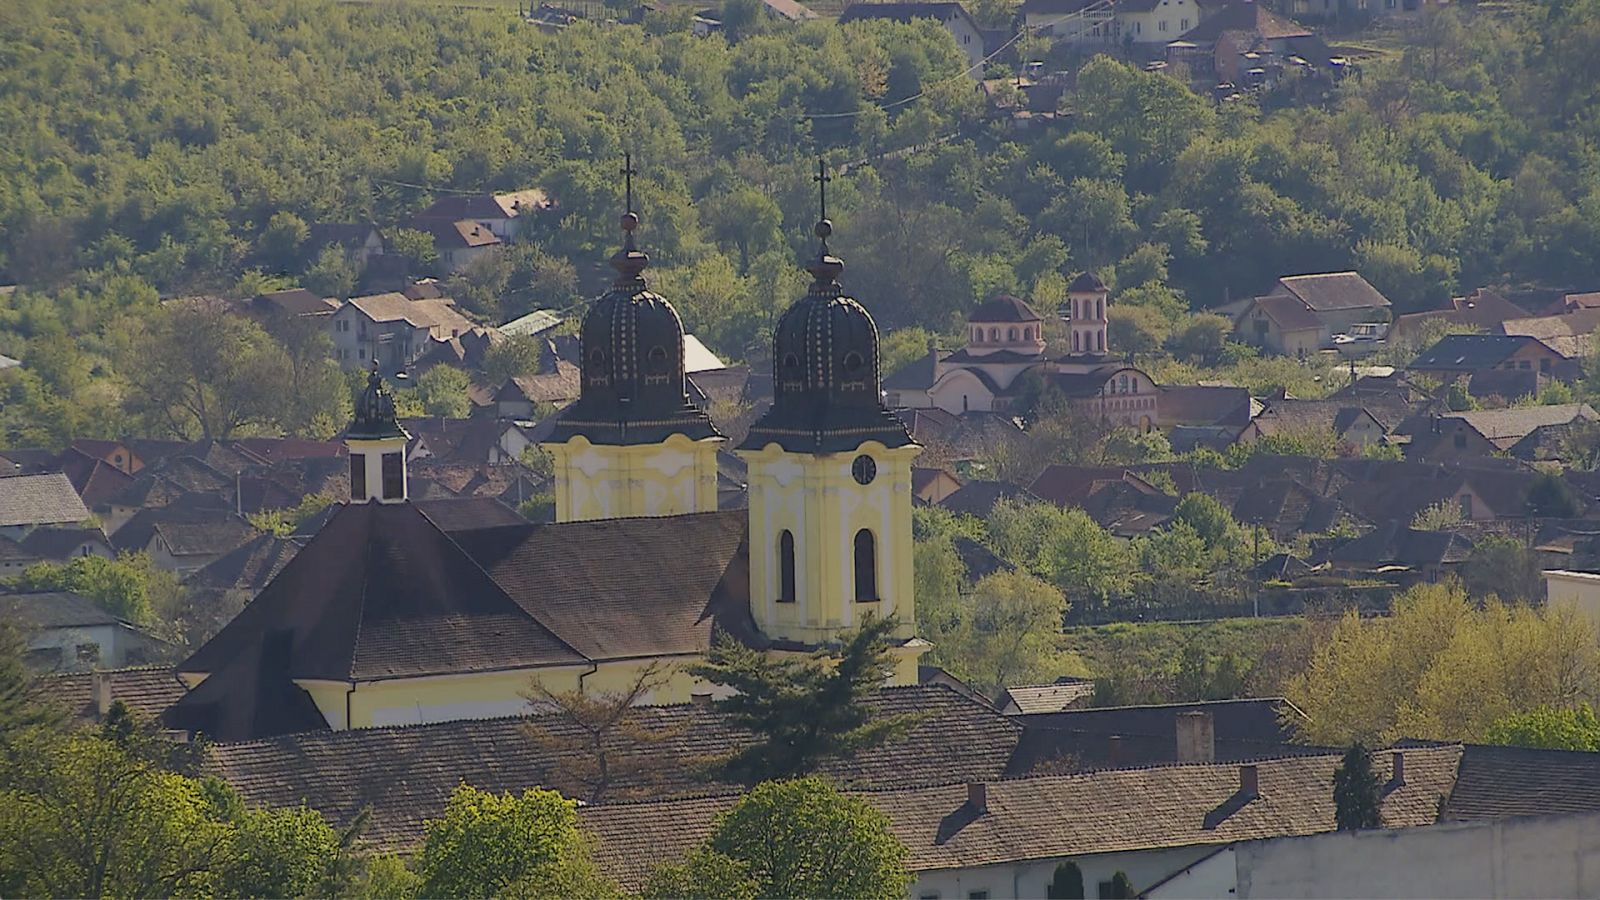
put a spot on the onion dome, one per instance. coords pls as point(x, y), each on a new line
point(632, 381)
point(375, 419)
point(827, 395)
point(1087, 283)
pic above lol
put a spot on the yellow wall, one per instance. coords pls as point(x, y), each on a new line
point(814, 497)
point(484, 695)
point(594, 481)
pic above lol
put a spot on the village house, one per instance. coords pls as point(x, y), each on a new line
point(1157, 21)
point(30, 501)
point(1072, 22)
point(1353, 427)
point(952, 16)
point(361, 241)
point(1482, 310)
point(461, 242)
point(1302, 313)
point(67, 632)
point(1245, 35)
point(504, 216)
point(392, 329)
point(1569, 334)
point(1467, 355)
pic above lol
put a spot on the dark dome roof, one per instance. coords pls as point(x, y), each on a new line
point(1004, 308)
point(1087, 283)
point(632, 388)
point(374, 419)
point(827, 393)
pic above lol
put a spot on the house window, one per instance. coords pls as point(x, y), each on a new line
point(394, 477)
point(1161, 25)
point(1183, 24)
point(358, 477)
point(1524, 364)
point(786, 592)
point(977, 895)
point(966, 39)
point(866, 567)
point(977, 335)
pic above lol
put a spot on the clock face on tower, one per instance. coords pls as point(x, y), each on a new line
point(863, 469)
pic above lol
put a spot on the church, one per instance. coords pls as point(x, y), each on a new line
point(1005, 341)
point(403, 612)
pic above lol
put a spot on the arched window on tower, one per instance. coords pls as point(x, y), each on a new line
point(994, 335)
point(1100, 340)
point(1075, 347)
point(1099, 309)
point(1027, 333)
point(1011, 334)
point(786, 592)
point(866, 567)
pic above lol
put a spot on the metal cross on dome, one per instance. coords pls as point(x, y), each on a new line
point(628, 171)
point(822, 178)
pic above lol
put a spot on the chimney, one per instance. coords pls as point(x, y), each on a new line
point(1399, 776)
point(1114, 754)
point(100, 686)
point(1197, 737)
point(1249, 782)
point(978, 796)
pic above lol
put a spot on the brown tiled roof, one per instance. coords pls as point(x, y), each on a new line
point(559, 386)
point(1505, 782)
point(1195, 404)
point(977, 498)
point(47, 499)
point(1063, 816)
point(1570, 334)
point(145, 690)
point(464, 233)
point(1048, 698)
point(217, 536)
point(433, 314)
point(382, 592)
point(1246, 16)
point(1291, 313)
point(61, 542)
point(917, 375)
point(1003, 308)
point(405, 774)
point(250, 567)
point(53, 609)
point(1507, 426)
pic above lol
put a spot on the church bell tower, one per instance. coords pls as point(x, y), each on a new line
point(830, 477)
point(377, 446)
point(632, 444)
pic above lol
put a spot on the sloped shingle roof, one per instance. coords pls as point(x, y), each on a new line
point(47, 499)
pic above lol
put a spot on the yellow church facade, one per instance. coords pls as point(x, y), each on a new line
point(402, 613)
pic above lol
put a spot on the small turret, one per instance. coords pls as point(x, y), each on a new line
point(377, 445)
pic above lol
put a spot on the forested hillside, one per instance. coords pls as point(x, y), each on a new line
point(172, 147)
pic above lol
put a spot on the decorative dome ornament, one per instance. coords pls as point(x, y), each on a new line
point(374, 411)
point(826, 386)
point(632, 387)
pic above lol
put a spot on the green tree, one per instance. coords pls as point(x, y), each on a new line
point(498, 845)
point(279, 243)
point(21, 707)
point(1452, 668)
point(331, 274)
point(84, 819)
point(130, 586)
point(442, 390)
point(599, 724)
point(1066, 883)
point(1121, 886)
point(1550, 727)
point(1502, 567)
point(1210, 520)
point(805, 839)
point(803, 712)
point(1006, 631)
point(1437, 516)
point(702, 875)
point(197, 370)
point(415, 246)
point(1356, 791)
